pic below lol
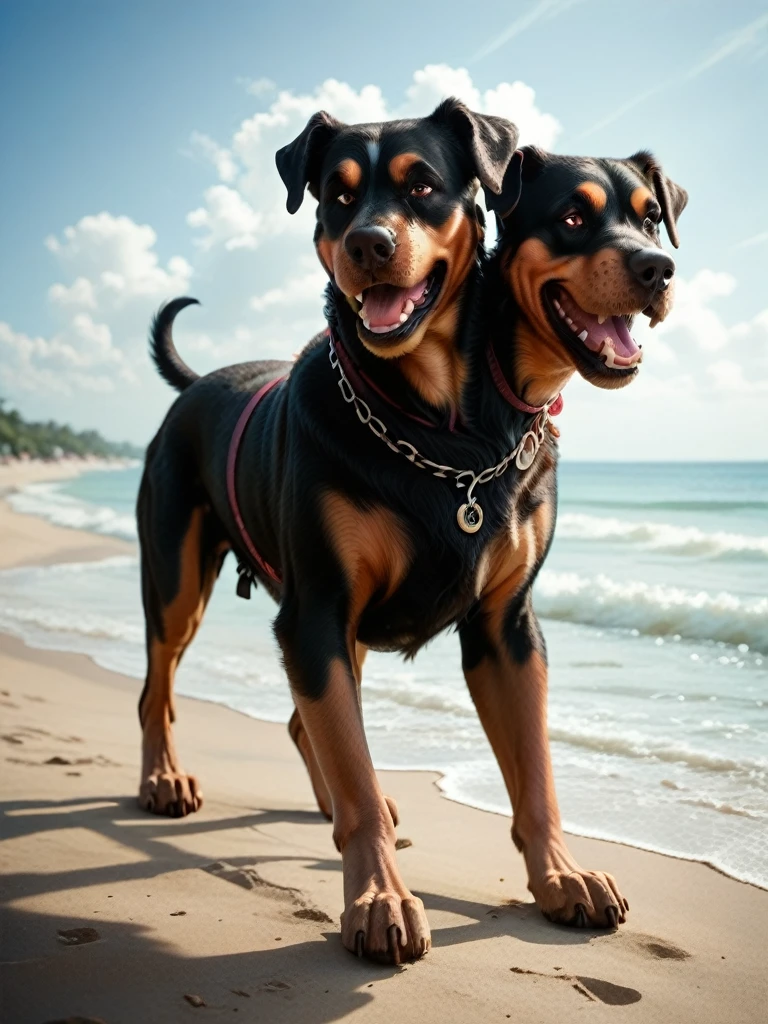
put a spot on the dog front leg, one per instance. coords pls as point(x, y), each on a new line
point(504, 663)
point(382, 919)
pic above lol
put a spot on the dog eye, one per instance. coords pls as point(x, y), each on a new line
point(420, 190)
point(573, 220)
point(346, 198)
point(650, 225)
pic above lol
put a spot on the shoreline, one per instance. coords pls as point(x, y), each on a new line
point(236, 908)
point(70, 544)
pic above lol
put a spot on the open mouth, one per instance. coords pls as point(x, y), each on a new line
point(603, 342)
point(388, 312)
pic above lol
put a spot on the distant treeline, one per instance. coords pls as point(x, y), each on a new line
point(52, 440)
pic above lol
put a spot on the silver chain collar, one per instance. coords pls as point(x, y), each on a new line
point(470, 514)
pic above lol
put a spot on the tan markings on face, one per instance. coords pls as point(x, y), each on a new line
point(600, 283)
point(640, 199)
point(350, 173)
point(400, 165)
point(594, 194)
point(430, 361)
point(372, 546)
point(325, 251)
point(542, 364)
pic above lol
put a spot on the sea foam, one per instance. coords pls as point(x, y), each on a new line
point(652, 609)
point(47, 501)
point(663, 537)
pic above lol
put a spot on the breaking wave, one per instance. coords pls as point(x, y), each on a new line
point(652, 609)
point(663, 537)
point(47, 501)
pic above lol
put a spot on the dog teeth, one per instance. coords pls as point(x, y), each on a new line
point(557, 305)
point(360, 298)
point(569, 321)
point(403, 317)
point(574, 327)
point(584, 335)
point(602, 319)
point(561, 312)
point(366, 322)
point(408, 308)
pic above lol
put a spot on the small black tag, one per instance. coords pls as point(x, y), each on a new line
point(244, 583)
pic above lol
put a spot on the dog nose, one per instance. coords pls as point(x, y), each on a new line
point(653, 268)
point(370, 247)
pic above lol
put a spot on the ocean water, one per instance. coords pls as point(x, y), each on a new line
point(654, 604)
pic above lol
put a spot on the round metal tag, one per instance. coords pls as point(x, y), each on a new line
point(470, 517)
point(527, 453)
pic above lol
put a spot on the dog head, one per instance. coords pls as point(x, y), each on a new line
point(397, 223)
point(581, 251)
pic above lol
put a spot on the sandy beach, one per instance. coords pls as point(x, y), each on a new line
point(111, 914)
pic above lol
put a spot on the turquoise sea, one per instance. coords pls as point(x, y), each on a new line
point(654, 604)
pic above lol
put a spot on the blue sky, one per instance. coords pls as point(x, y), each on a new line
point(137, 164)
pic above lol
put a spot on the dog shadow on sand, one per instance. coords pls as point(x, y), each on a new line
point(122, 963)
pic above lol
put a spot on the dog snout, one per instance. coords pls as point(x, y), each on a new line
point(653, 269)
point(370, 247)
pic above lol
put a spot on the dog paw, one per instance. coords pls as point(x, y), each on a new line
point(568, 894)
point(386, 925)
point(171, 793)
point(382, 920)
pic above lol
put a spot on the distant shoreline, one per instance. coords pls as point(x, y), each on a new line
point(18, 473)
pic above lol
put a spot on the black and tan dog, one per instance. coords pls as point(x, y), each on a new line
point(420, 492)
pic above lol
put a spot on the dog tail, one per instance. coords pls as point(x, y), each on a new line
point(169, 363)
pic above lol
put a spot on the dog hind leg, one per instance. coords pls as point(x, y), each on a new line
point(181, 554)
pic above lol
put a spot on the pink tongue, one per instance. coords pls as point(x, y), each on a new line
point(383, 303)
point(623, 342)
point(614, 329)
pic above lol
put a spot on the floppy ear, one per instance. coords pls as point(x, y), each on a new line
point(489, 141)
point(300, 161)
point(671, 197)
point(526, 164)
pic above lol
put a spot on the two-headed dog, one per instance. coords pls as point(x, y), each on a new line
point(399, 478)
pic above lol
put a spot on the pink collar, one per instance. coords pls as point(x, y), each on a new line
point(554, 407)
point(361, 380)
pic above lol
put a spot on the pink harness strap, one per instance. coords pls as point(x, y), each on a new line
point(234, 447)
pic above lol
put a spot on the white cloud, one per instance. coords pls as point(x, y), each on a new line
point(515, 101)
point(693, 313)
point(728, 375)
point(257, 86)
point(80, 293)
point(230, 220)
point(101, 317)
point(253, 208)
point(262, 289)
point(302, 288)
point(80, 357)
point(695, 325)
point(116, 256)
point(221, 158)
